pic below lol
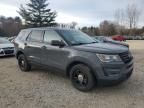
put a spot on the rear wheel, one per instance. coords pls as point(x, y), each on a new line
point(23, 63)
point(82, 77)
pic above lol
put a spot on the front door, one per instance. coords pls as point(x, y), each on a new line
point(54, 56)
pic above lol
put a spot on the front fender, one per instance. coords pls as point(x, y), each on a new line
point(81, 60)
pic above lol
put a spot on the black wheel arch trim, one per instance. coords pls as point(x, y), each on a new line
point(18, 53)
point(76, 61)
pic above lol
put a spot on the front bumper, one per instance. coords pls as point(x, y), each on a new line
point(115, 73)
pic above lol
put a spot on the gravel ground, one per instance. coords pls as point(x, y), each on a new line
point(42, 89)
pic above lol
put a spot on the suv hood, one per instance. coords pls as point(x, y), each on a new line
point(6, 45)
point(108, 48)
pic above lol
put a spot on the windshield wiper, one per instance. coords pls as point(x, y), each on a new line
point(84, 43)
point(79, 43)
point(92, 42)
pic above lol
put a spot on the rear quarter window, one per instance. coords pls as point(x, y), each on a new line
point(36, 36)
point(23, 34)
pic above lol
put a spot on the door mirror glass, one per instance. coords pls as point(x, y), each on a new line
point(57, 43)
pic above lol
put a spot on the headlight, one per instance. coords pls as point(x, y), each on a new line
point(1, 50)
point(108, 58)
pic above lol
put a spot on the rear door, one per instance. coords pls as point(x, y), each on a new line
point(33, 46)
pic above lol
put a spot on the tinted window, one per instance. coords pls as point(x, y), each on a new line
point(21, 34)
point(51, 35)
point(36, 36)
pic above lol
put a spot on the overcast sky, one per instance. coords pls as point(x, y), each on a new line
point(84, 12)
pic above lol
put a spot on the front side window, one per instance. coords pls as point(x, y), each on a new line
point(36, 36)
point(51, 35)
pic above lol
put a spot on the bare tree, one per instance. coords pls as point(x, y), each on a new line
point(120, 20)
point(107, 28)
point(129, 17)
point(132, 14)
point(74, 24)
point(120, 17)
point(10, 26)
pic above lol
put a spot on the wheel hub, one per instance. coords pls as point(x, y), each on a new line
point(22, 62)
point(80, 78)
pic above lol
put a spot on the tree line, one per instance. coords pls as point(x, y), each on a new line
point(108, 28)
point(125, 23)
point(10, 26)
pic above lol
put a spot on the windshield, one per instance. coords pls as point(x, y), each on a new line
point(3, 41)
point(75, 37)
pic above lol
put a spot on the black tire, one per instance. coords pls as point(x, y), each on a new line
point(82, 77)
point(23, 63)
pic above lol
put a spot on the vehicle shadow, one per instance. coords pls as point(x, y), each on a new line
point(62, 78)
point(45, 71)
point(4, 57)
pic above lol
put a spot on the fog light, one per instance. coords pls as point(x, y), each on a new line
point(110, 72)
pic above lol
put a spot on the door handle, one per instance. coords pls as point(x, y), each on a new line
point(26, 45)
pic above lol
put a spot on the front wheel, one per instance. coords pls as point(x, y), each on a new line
point(82, 77)
point(23, 63)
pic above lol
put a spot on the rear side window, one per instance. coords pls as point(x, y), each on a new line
point(36, 36)
point(51, 35)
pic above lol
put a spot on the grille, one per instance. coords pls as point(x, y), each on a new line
point(126, 57)
point(8, 48)
point(9, 51)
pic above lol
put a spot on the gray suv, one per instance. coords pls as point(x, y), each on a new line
point(86, 61)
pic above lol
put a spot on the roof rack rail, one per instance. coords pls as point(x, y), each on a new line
point(62, 25)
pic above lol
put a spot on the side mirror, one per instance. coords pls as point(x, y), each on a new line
point(57, 43)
